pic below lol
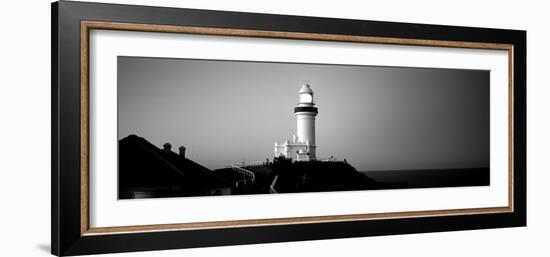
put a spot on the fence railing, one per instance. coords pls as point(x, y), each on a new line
point(249, 175)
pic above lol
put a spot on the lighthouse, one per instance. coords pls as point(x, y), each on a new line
point(302, 147)
point(305, 119)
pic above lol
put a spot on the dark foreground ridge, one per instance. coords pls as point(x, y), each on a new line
point(146, 171)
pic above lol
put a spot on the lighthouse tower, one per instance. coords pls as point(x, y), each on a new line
point(302, 147)
point(305, 120)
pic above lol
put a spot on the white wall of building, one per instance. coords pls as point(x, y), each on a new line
point(25, 131)
point(305, 128)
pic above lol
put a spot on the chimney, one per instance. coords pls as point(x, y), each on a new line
point(182, 151)
point(167, 148)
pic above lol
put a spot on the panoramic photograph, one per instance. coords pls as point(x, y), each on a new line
point(192, 127)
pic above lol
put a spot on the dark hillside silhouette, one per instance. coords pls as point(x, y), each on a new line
point(146, 171)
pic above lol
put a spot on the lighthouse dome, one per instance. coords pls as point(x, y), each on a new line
point(306, 89)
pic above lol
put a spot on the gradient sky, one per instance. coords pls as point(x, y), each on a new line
point(378, 118)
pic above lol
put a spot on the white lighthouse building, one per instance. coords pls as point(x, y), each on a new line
point(302, 147)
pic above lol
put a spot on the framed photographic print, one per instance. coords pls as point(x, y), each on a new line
point(177, 128)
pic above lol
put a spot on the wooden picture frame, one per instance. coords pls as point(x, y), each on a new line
point(71, 26)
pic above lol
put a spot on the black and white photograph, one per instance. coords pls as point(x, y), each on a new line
point(284, 128)
point(196, 127)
